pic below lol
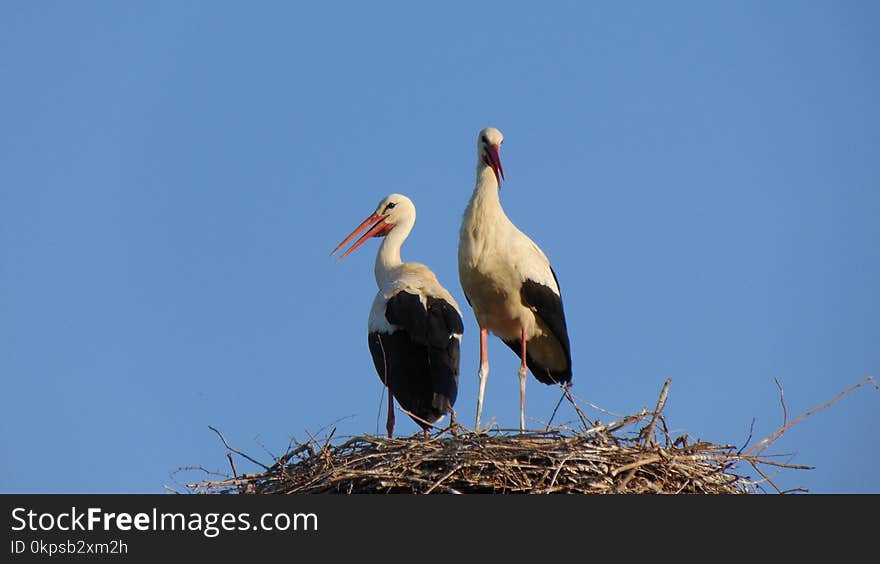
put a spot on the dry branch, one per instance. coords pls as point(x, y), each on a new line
point(762, 446)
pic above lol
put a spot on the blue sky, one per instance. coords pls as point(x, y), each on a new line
point(703, 176)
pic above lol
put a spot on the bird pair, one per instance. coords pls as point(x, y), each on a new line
point(415, 326)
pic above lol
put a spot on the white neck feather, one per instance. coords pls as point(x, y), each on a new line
point(388, 256)
point(485, 196)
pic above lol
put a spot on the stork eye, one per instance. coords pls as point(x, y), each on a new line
point(390, 206)
point(484, 139)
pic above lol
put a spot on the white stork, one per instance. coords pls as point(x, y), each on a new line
point(509, 283)
point(414, 325)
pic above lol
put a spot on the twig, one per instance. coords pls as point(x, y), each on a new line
point(585, 421)
point(241, 488)
point(556, 472)
point(775, 435)
point(262, 446)
point(443, 479)
point(232, 464)
point(552, 415)
point(661, 402)
point(634, 465)
point(749, 438)
point(416, 417)
point(621, 487)
point(591, 405)
point(793, 490)
point(379, 410)
point(768, 462)
point(766, 478)
point(236, 451)
point(615, 425)
point(662, 421)
point(782, 401)
point(385, 387)
point(327, 442)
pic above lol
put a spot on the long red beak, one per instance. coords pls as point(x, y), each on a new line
point(375, 226)
point(494, 160)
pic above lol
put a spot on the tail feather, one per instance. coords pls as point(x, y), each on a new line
point(539, 371)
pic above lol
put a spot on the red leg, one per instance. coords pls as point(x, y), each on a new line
point(484, 374)
point(522, 383)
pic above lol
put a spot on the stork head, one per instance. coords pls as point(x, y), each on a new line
point(488, 144)
point(393, 210)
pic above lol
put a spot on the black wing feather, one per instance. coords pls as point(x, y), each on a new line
point(548, 306)
point(422, 365)
point(406, 311)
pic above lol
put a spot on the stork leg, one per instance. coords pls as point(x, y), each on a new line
point(522, 384)
point(389, 425)
point(484, 374)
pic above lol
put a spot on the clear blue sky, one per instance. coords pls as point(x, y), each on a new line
point(705, 178)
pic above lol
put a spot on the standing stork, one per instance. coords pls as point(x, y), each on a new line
point(414, 325)
point(509, 283)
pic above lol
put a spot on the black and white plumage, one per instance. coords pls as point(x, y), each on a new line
point(415, 327)
point(508, 281)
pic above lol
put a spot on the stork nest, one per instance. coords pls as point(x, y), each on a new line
point(498, 462)
point(633, 455)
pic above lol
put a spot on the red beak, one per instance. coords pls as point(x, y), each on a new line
point(493, 159)
point(378, 229)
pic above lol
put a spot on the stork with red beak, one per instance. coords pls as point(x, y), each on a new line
point(414, 326)
point(509, 283)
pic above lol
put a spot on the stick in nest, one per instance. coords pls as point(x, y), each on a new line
point(648, 436)
point(777, 434)
point(236, 451)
